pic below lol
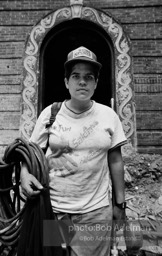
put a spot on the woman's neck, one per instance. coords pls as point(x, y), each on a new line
point(78, 108)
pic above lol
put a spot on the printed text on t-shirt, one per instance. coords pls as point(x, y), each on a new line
point(83, 135)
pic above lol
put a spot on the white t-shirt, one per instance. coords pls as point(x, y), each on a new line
point(79, 143)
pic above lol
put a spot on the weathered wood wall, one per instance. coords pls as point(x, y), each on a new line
point(142, 22)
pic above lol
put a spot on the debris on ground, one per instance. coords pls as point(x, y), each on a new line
point(143, 178)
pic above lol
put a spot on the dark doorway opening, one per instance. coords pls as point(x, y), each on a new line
point(58, 42)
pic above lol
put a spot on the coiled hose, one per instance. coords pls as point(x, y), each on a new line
point(12, 203)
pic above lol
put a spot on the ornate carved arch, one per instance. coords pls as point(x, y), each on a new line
point(123, 78)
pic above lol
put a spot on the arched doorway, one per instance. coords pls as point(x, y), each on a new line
point(54, 49)
point(46, 50)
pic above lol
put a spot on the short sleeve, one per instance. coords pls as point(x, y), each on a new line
point(40, 132)
point(118, 137)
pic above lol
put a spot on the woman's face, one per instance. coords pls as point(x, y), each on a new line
point(81, 83)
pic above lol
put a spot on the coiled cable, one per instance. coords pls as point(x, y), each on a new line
point(12, 203)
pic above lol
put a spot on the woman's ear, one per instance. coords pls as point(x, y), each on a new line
point(66, 83)
point(96, 84)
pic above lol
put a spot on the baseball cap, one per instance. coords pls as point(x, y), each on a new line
point(83, 54)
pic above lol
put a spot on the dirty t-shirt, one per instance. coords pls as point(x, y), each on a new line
point(77, 157)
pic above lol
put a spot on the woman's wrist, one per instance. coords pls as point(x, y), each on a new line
point(122, 205)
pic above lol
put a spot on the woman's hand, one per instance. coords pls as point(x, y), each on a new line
point(30, 185)
point(119, 217)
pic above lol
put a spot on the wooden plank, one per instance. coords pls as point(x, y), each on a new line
point(148, 88)
point(137, 15)
point(8, 136)
point(11, 89)
point(10, 102)
point(10, 79)
point(11, 66)
point(46, 4)
point(124, 15)
point(149, 150)
point(147, 79)
point(135, 31)
point(14, 33)
point(147, 83)
point(9, 120)
point(147, 48)
point(148, 102)
point(19, 4)
point(149, 138)
point(11, 49)
point(149, 120)
point(26, 17)
point(144, 31)
point(147, 65)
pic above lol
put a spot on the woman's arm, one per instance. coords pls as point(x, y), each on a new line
point(116, 167)
point(29, 184)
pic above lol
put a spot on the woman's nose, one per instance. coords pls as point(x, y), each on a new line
point(82, 81)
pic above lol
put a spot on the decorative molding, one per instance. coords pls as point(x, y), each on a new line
point(123, 78)
point(76, 8)
point(76, 2)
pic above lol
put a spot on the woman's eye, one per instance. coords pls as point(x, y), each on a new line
point(75, 76)
point(89, 77)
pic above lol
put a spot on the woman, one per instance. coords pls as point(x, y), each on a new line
point(84, 158)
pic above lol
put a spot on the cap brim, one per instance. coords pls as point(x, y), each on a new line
point(95, 63)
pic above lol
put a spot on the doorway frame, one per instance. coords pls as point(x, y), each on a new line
point(53, 54)
point(124, 99)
